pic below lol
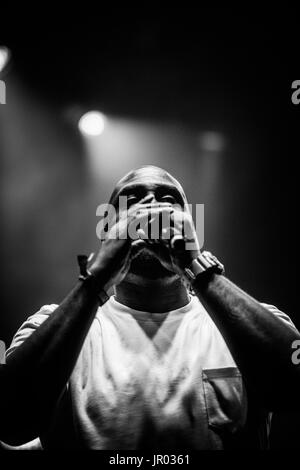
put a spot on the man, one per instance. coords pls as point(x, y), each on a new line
point(154, 367)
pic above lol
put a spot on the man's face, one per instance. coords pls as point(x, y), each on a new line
point(159, 187)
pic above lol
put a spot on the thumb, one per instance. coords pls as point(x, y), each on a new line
point(136, 247)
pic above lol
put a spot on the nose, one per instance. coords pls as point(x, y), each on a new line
point(151, 197)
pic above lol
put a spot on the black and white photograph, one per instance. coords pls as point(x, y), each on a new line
point(149, 233)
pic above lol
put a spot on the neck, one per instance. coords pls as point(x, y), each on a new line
point(152, 296)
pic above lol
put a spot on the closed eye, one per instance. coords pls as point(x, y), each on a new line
point(168, 198)
point(132, 200)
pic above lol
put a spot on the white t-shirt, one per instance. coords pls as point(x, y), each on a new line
point(152, 381)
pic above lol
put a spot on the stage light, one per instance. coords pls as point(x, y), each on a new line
point(211, 141)
point(4, 57)
point(92, 123)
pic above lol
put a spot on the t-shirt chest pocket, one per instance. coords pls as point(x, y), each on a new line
point(225, 399)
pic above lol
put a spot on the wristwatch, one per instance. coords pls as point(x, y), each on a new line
point(204, 266)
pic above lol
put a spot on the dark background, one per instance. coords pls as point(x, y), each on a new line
point(169, 77)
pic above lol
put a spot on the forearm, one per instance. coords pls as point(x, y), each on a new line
point(260, 342)
point(37, 372)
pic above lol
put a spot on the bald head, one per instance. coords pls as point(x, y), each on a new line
point(148, 178)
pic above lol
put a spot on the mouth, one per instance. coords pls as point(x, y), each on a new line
point(146, 264)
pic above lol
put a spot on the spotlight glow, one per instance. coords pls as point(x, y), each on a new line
point(4, 57)
point(92, 124)
point(211, 141)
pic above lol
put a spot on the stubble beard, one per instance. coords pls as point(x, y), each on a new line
point(146, 265)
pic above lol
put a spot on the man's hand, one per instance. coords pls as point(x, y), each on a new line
point(175, 240)
point(164, 229)
point(121, 245)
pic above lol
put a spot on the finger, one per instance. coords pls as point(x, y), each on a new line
point(156, 205)
point(138, 226)
point(140, 204)
point(155, 223)
point(184, 222)
point(168, 235)
point(141, 233)
point(149, 221)
point(159, 219)
point(136, 247)
point(178, 243)
point(131, 210)
point(156, 209)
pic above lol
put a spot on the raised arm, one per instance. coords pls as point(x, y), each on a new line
point(37, 371)
point(260, 341)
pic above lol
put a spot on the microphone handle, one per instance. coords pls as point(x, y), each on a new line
point(178, 243)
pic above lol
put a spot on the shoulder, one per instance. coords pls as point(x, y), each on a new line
point(29, 325)
point(283, 316)
point(40, 316)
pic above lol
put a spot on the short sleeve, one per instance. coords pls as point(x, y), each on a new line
point(283, 316)
point(29, 326)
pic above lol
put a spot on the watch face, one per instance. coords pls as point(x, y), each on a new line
point(213, 262)
point(205, 263)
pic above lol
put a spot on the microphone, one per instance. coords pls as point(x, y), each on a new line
point(178, 243)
